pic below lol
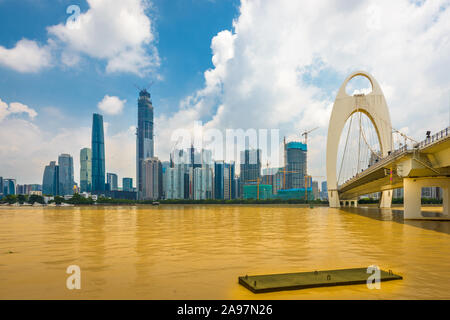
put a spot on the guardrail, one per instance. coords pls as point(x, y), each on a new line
point(435, 137)
point(432, 139)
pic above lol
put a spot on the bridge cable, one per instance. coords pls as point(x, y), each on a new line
point(345, 148)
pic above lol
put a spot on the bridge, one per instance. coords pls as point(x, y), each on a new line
point(423, 164)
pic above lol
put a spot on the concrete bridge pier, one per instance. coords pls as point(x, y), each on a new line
point(386, 199)
point(412, 188)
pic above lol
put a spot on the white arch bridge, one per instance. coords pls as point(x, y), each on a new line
point(423, 164)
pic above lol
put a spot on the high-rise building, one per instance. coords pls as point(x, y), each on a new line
point(152, 170)
point(219, 173)
point(324, 190)
point(250, 165)
point(86, 170)
point(66, 181)
point(144, 140)
point(1, 187)
point(315, 189)
point(295, 155)
point(127, 184)
point(50, 180)
point(98, 154)
point(111, 181)
point(9, 187)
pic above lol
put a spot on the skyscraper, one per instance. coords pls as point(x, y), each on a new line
point(1, 187)
point(295, 155)
point(152, 170)
point(250, 167)
point(144, 141)
point(9, 186)
point(111, 180)
point(127, 184)
point(98, 154)
point(85, 170)
point(50, 180)
point(66, 182)
point(219, 173)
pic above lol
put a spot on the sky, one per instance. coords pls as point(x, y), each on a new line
point(230, 64)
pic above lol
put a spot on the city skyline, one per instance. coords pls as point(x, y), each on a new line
point(209, 84)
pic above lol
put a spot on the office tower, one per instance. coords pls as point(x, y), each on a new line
point(66, 182)
point(9, 187)
point(111, 181)
point(50, 181)
point(295, 155)
point(315, 189)
point(152, 174)
point(1, 187)
point(324, 190)
point(219, 172)
point(165, 166)
point(250, 167)
point(127, 184)
point(98, 154)
point(86, 170)
point(229, 191)
point(144, 140)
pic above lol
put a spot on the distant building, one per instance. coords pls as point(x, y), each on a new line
point(175, 182)
point(111, 180)
point(127, 184)
point(152, 170)
point(252, 191)
point(324, 191)
point(296, 169)
point(315, 189)
point(9, 187)
point(50, 180)
point(219, 173)
point(295, 194)
point(203, 179)
point(66, 181)
point(250, 165)
point(98, 154)
point(1, 187)
point(86, 170)
point(124, 195)
point(144, 142)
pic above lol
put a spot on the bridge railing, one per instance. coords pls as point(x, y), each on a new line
point(435, 137)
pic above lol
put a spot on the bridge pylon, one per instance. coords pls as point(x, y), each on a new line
point(374, 106)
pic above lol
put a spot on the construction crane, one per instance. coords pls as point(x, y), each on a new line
point(257, 186)
point(306, 133)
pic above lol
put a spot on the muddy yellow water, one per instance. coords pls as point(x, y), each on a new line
point(198, 252)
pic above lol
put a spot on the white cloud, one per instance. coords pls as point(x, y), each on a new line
point(15, 108)
point(117, 31)
point(283, 62)
point(26, 56)
point(111, 105)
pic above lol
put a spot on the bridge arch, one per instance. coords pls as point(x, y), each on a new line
point(375, 107)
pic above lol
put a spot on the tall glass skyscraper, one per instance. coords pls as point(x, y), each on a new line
point(144, 142)
point(50, 180)
point(98, 154)
point(85, 170)
point(66, 182)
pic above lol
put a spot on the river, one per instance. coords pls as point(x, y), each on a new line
point(198, 252)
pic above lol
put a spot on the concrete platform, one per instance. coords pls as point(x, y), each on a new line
point(304, 280)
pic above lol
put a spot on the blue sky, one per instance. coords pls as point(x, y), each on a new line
point(232, 64)
point(184, 30)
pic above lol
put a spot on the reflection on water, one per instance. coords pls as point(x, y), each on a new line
point(397, 216)
point(198, 252)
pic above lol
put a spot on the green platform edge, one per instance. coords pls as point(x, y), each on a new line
point(359, 275)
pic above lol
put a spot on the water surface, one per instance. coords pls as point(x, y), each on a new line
point(198, 252)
